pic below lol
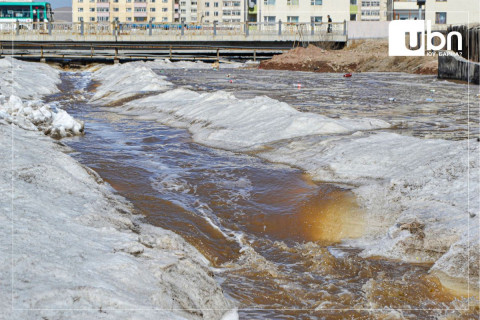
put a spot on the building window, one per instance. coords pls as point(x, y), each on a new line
point(269, 2)
point(129, 18)
point(292, 2)
point(80, 9)
point(215, 13)
point(152, 9)
point(115, 9)
point(164, 9)
point(353, 2)
point(80, 19)
point(293, 19)
point(207, 4)
point(164, 19)
point(129, 9)
point(353, 17)
point(215, 4)
point(102, 19)
point(152, 19)
point(269, 19)
point(318, 2)
point(92, 19)
point(92, 9)
point(165, 1)
point(80, 1)
point(316, 19)
point(207, 14)
point(440, 17)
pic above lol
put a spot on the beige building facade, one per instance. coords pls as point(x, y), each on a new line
point(125, 11)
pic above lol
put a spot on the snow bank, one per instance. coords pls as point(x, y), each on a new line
point(221, 120)
point(119, 82)
point(35, 115)
point(73, 250)
point(421, 196)
point(27, 79)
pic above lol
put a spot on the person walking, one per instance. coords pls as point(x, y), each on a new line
point(329, 28)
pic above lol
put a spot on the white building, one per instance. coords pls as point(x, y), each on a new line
point(439, 12)
point(221, 11)
point(452, 12)
point(303, 10)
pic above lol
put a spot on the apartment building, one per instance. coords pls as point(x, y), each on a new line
point(370, 10)
point(188, 11)
point(222, 10)
point(125, 11)
point(439, 12)
point(452, 12)
point(303, 10)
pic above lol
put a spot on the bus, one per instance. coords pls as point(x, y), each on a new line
point(28, 14)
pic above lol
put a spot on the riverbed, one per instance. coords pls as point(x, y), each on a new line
point(272, 233)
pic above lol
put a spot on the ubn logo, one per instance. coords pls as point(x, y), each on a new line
point(416, 28)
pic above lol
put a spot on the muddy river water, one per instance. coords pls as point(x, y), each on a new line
point(272, 234)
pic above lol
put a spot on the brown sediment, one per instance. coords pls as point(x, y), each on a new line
point(360, 56)
point(458, 287)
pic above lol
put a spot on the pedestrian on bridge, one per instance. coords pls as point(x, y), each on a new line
point(329, 28)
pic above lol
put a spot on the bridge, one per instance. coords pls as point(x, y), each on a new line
point(206, 41)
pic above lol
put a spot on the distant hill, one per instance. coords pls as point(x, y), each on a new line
point(63, 14)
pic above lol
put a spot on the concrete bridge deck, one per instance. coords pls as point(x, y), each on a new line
point(112, 40)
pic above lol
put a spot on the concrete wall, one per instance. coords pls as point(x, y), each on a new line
point(458, 68)
point(367, 29)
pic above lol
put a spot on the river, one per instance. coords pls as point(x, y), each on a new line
point(271, 233)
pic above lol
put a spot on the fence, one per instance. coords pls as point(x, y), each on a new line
point(470, 42)
point(151, 29)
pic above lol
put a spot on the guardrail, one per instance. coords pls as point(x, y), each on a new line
point(244, 29)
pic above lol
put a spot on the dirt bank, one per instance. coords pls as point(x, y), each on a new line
point(361, 56)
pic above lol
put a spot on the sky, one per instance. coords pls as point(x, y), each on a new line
point(60, 3)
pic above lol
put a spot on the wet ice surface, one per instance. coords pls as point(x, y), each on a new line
point(422, 106)
point(252, 219)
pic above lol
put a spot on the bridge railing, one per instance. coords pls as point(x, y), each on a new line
point(155, 29)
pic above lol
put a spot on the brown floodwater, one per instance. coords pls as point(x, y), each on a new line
point(271, 233)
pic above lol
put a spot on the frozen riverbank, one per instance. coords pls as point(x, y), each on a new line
point(420, 195)
point(71, 249)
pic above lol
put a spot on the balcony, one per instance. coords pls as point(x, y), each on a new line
point(140, 13)
point(405, 5)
